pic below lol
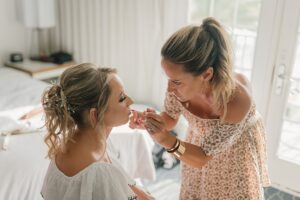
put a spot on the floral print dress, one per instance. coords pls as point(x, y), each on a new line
point(238, 168)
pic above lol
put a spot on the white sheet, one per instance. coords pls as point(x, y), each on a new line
point(133, 148)
point(18, 89)
point(23, 165)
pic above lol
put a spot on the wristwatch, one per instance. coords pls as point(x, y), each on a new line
point(180, 150)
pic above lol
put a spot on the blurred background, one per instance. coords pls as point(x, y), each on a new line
point(128, 35)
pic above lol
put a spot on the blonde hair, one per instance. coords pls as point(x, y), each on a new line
point(199, 47)
point(80, 88)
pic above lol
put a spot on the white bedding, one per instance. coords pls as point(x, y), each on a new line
point(18, 89)
point(23, 165)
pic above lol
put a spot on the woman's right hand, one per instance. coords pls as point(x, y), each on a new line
point(141, 194)
point(137, 119)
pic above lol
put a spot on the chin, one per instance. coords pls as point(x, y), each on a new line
point(124, 121)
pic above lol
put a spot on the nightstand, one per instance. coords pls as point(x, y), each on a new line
point(40, 70)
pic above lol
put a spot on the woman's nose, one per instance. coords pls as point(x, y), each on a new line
point(130, 101)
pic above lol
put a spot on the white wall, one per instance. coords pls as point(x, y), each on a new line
point(127, 35)
point(13, 35)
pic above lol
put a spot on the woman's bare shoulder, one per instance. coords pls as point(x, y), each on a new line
point(239, 106)
point(243, 80)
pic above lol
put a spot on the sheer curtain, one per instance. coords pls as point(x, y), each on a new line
point(125, 34)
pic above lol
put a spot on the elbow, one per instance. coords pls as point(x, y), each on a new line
point(199, 163)
point(202, 163)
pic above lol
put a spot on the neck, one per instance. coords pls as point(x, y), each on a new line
point(107, 131)
point(93, 138)
point(203, 101)
point(205, 98)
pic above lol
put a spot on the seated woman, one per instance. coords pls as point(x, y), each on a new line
point(80, 112)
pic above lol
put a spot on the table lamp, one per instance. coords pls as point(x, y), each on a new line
point(39, 16)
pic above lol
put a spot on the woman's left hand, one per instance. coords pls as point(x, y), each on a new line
point(154, 124)
point(141, 194)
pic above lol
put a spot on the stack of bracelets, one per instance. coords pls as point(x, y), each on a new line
point(178, 149)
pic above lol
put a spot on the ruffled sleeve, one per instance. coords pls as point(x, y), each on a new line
point(112, 184)
point(172, 106)
point(130, 181)
point(224, 135)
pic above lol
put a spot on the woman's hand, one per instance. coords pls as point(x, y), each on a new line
point(137, 119)
point(141, 194)
point(155, 125)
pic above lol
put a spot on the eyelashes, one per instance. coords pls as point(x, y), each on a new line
point(122, 98)
point(176, 83)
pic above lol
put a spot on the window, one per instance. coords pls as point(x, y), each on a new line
point(240, 18)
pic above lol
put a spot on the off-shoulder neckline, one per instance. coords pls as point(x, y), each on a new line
point(216, 119)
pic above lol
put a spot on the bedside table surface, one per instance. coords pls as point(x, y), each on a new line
point(36, 66)
point(40, 70)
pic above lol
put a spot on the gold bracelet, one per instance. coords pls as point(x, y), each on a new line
point(181, 149)
point(175, 147)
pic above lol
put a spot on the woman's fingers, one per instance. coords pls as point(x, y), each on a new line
point(153, 126)
point(155, 117)
point(154, 123)
point(150, 110)
point(136, 120)
point(132, 125)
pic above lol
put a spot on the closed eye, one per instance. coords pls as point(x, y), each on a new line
point(122, 98)
point(176, 82)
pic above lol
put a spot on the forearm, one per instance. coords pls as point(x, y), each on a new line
point(157, 127)
point(169, 122)
point(193, 155)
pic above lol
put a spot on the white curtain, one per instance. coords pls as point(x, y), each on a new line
point(125, 34)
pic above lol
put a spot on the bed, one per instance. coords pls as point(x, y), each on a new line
point(23, 161)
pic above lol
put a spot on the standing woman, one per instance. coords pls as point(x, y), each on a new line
point(223, 155)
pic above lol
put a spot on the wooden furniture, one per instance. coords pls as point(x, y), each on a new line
point(40, 70)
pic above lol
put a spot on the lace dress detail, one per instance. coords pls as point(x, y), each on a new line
point(238, 168)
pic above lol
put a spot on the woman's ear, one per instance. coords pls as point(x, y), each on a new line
point(208, 74)
point(93, 116)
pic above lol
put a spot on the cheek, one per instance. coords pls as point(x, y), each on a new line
point(188, 91)
point(184, 89)
point(108, 116)
point(122, 114)
point(116, 115)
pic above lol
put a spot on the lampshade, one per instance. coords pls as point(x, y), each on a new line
point(36, 13)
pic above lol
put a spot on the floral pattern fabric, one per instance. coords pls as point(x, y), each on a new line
point(238, 168)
